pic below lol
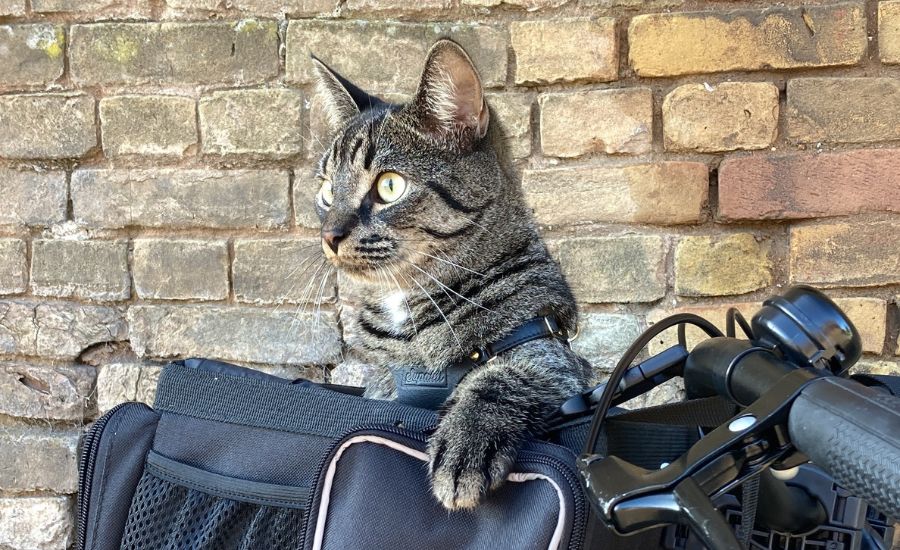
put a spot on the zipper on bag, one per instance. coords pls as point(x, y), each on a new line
point(86, 464)
point(579, 518)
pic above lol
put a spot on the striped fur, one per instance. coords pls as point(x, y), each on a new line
point(455, 263)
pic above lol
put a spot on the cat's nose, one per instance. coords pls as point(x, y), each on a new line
point(333, 237)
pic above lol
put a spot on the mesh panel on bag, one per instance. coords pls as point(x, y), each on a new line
point(167, 516)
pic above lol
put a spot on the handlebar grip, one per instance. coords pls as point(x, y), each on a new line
point(853, 433)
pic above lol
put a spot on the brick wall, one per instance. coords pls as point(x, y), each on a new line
point(155, 198)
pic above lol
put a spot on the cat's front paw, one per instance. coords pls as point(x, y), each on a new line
point(468, 460)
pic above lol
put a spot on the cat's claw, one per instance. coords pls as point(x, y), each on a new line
point(462, 472)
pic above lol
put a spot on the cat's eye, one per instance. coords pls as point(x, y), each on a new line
point(326, 195)
point(390, 187)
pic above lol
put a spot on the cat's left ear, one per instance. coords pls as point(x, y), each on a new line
point(449, 103)
point(341, 98)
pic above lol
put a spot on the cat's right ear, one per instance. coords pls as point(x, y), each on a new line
point(341, 99)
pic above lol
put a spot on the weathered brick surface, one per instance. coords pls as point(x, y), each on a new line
point(38, 460)
point(36, 523)
point(889, 31)
point(180, 269)
point(12, 7)
point(662, 193)
point(722, 266)
point(808, 185)
point(565, 50)
point(743, 40)
point(296, 8)
point(208, 5)
point(121, 382)
point(32, 198)
point(269, 271)
point(235, 333)
point(94, 270)
point(843, 110)
point(46, 126)
point(628, 268)
point(513, 113)
point(725, 117)
point(57, 329)
point(846, 254)
point(305, 189)
point(398, 7)
point(360, 51)
point(869, 316)
point(240, 52)
point(620, 122)
point(13, 271)
point(252, 122)
point(31, 55)
point(604, 337)
point(68, 6)
point(180, 198)
point(46, 393)
point(147, 125)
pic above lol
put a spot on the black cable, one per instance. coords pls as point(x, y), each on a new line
point(734, 315)
point(615, 378)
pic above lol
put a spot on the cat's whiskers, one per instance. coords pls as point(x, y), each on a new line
point(412, 319)
point(446, 288)
point(305, 264)
point(454, 264)
point(449, 326)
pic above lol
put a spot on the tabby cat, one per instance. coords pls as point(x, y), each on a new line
point(418, 209)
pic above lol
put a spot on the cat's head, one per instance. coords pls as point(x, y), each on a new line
point(404, 185)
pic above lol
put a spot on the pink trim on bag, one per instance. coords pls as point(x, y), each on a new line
point(322, 518)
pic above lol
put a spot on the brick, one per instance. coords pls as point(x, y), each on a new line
point(670, 192)
point(32, 55)
point(48, 126)
point(268, 271)
point(281, 8)
point(13, 273)
point(12, 7)
point(398, 8)
point(36, 523)
point(38, 460)
point(722, 265)
point(91, 270)
point(252, 122)
point(180, 269)
point(877, 366)
point(627, 126)
point(843, 254)
point(240, 52)
point(725, 117)
point(747, 40)
point(32, 198)
point(604, 337)
point(68, 6)
point(44, 392)
point(627, 269)
point(565, 50)
point(121, 382)
point(809, 185)
point(147, 125)
point(388, 57)
point(208, 5)
point(716, 314)
point(889, 31)
point(180, 198)
point(249, 334)
point(57, 329)
point(869, 316)
point(843, 110)
point(512, 112)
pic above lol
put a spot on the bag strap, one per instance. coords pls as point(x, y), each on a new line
point(890, 383)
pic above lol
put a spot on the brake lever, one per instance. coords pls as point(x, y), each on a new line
point(629, 498)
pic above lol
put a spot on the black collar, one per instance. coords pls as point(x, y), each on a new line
point(428, 389)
